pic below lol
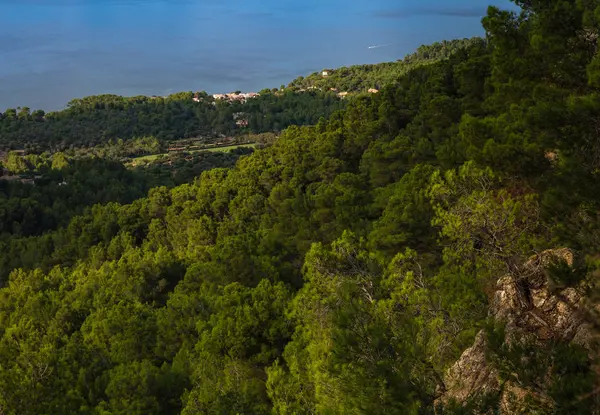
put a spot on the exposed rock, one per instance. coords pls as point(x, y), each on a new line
point(530, 309)
point(513, 398)
point(551, 156)
point(471, 374)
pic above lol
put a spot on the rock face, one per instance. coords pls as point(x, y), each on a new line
point(471, 374)
point(531, 310)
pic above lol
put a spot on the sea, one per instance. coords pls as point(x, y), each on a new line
point(52, 51)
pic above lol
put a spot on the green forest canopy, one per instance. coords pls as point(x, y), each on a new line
point(361, 78)
point(340, 270)
point(93, 121)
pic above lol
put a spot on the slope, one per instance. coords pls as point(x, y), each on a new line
point(343, 269)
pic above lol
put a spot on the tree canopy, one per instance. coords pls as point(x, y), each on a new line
point(342, 269)
point(93, 121)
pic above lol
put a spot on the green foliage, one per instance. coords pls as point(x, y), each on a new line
point(99, 120)
point(561, 371)
point(119, 149)
point(361, 78)
point(348, 353)
point(59, 161)
point(244, 334)
point(561, 274)
point(15, 164)
point(341, 269)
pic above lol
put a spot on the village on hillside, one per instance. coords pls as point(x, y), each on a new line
point(244, 96)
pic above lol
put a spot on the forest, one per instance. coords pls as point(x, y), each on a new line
point(93, 121)
point(65, 186)
point(344, 268)
point(361, 78)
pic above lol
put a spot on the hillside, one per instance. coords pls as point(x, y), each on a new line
point(93, 121)
point(440, 233)
point(361, 78)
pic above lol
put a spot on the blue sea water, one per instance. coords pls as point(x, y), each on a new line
point(54, 50)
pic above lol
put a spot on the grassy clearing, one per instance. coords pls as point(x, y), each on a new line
point(227, 148)
point(153, 157)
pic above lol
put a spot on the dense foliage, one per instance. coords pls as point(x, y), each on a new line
point(93, 121)
point(122, 149)
point(49, 190)
point(340, 270)
point(361, 78)
point(56, 195)
point(184, 167)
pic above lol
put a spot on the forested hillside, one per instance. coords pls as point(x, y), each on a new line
point(361, 78)
point(93, 121)
point(345, 268)
point(61, 187)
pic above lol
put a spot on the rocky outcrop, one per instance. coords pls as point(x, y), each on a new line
point(531, 310)
point(471, 374)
